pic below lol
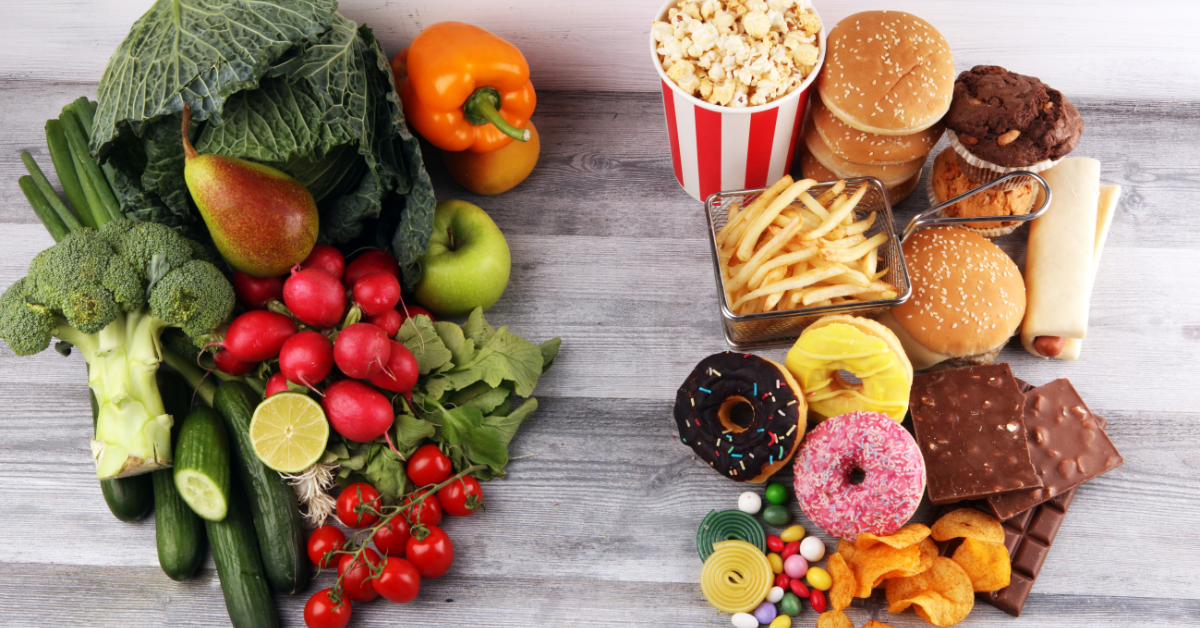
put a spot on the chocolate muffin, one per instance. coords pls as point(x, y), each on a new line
point(1011, 120)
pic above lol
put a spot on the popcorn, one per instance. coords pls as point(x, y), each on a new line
point(738, 53)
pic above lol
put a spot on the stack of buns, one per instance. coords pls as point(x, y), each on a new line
point(887, 81)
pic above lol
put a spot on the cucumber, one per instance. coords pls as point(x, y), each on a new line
point(240, 569)
point(180, 533)
point(130, 498)
point(272, 502)
point(202, 464)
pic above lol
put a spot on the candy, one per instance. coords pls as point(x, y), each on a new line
point(776, 493)
point(774, 543)
point(776, 563)
point(736, 577)
point(794, 533)
point(725, 525)
point(782, 621)
point(817, 600)
point(775, 594)
point(791, 549)
point(744, 620)
point(783, 581)
point(812, 548)
point(765, 613)
point(790, 604)
point(795, 567)
point(797, 587)
point(777, 515)
point(749, 503)
point(819, 579)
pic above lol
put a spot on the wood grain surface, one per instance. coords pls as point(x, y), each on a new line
point(595, 525)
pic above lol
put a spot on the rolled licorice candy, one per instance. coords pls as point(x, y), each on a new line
point(736, 577)
point(726, 525)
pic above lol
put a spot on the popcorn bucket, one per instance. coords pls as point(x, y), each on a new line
point(719, 149)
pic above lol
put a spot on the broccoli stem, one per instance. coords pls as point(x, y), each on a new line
point(44, 211)
point(64, 167)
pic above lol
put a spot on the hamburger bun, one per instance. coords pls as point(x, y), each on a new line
point(812, 169)
point(968, 298)
point(887, 72)
point(891, 175)
point(861, 147)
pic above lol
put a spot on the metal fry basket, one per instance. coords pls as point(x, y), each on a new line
point(781, 328)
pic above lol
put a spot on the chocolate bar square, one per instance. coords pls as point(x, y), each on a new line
point(970, 427)
point(1066, 442)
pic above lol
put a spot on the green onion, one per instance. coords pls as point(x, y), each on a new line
point(42, 208)
point(39, 178)
point(64, 167)
point(100, 196)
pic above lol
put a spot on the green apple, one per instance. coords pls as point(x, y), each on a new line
point(467, 264)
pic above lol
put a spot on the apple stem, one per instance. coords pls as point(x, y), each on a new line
point(189, 151)
point(450, 233)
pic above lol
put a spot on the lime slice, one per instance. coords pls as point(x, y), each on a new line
point(201, 494)
point(289, 432)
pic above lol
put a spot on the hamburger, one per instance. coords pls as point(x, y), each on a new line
point(968, 298)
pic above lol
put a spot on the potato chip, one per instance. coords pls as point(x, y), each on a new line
point(908, 535)
point(968, 523)
point(987, 564)
point(875, 624)
point(845, 584)
point(834, 619)
point(942, 595)
point(929, 549)
point(880, 562)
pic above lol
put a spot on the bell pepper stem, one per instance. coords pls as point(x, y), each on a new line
point(482, 108)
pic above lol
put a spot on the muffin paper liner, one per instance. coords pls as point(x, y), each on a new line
point(981, 171)
point(994, 232)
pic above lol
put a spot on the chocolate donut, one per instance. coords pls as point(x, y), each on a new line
point(742, 414)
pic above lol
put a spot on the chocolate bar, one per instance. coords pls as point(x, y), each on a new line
point(970, 427)
point(1028, 537)
point(1067, 444)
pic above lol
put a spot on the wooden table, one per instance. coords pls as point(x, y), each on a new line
point(596, 524)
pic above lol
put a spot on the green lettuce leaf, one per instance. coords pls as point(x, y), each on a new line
point(504, 357)
point(506, 425)
point(418, 334)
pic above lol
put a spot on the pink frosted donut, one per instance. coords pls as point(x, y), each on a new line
point(888, 456)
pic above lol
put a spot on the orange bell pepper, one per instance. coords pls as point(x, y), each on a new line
point(464, 88)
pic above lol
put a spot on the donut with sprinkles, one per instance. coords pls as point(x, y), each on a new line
point(742, 414)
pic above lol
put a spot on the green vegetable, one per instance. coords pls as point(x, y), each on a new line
point(290, 83)
point(240, 569)
point(109, 293)
point(178, 531)
point(777, 515)
point(202, 464)
point(43, 184)
point(129, 499)
point(281, 536)
point(64, 167)
point(45, 212)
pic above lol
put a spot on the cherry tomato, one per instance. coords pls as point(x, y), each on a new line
point(461, 497)
point(432, 555)
point(322, 612)
point(352, 496)
point(428, 465)
point(400, 582)
point(322, 542)
point(391, 539)
point(429, 512)
point(355, 582)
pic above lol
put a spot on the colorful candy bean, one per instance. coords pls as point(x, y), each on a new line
point(783, 581)
point(782, 621)
point(744, 620)
point(775, 594)
point(819, 579)
point(776, 563)
point(765, 613)
point(791, 549)
point(794, 533)
point(812, 548)
point(817, 600)
point(797, 587)
point(795, 566)
point(790, 604)
point(774, 543)
point(749, 503)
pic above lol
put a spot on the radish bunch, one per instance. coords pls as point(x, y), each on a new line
point(349, 366)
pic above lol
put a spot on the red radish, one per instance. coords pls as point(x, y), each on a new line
point(306, 358)
point(315, 297)
point(276, 384)
point(230, 365)
point(254, 292)
point(389, 322)
point(413, 310)
point(326, 258)
point(372, 261)
point(258, 335)
point(377, 293)
point(356, 410)
point(401, 372)
point(361, 350)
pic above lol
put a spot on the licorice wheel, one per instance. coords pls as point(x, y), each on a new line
point(736, 578)
point(742, 414)
point(726, 525)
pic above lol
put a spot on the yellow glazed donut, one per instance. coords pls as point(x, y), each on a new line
point(859, 346)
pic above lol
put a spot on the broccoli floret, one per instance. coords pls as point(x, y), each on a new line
point(110, 293)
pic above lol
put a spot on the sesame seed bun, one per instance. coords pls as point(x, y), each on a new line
point(812, 169)
point(890, 174)
point(861, 147)
point(887, 72)
point(968, 296)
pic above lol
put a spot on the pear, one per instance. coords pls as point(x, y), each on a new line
point(262, 221)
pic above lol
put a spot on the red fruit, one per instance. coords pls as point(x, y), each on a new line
point(372, 261)
point(361, 350)
point(276, 384)
point(391, 539)
point(357, 411)
point(377, 293)
point(461, 497)
point(348, 502)
point(428, 512)
point(326, 258)
point(355, 582)
point(817, 600)
point(401, 372)
point(315, 297)
point(306, 358)
point(322, 543)
point(254, 292)
point(400, 582)
point(428, 465)
point(433, 554)
point(229, 365)
point(322, 612)
point(389, 322)
point(258, 335)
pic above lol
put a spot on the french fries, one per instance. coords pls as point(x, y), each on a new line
point(787, 249)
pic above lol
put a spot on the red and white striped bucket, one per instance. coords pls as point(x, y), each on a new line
point(720, 149)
